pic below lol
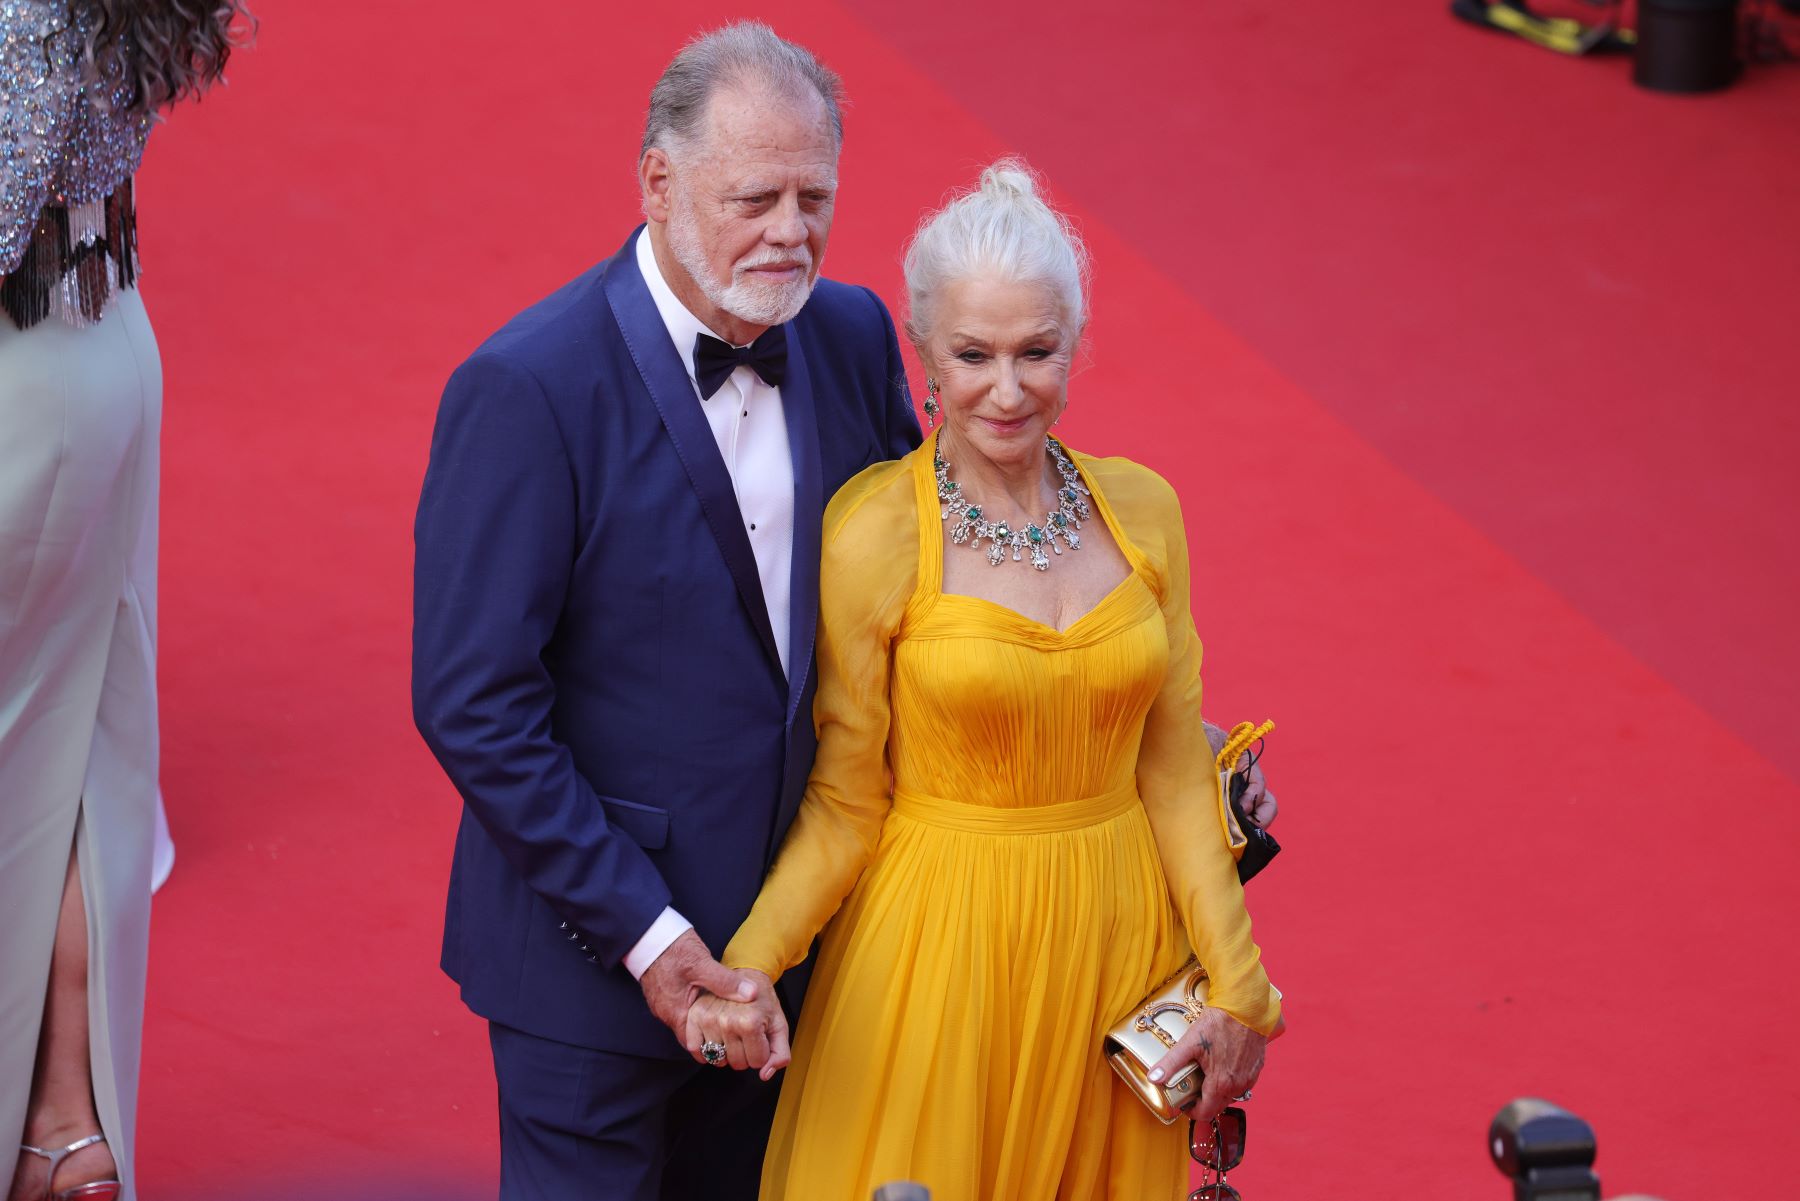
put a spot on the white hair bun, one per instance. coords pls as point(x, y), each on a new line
point(1009, 179)
point(999, 227)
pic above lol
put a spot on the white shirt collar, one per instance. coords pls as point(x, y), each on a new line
point(682, 325)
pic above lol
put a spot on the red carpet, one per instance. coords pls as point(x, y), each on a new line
point(1474, 367)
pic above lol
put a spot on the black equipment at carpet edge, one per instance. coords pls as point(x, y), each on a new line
point(1546, 1151)
point(1679, 46)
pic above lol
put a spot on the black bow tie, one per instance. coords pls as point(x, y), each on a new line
point(714, 361)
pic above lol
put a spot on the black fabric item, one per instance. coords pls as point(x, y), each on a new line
point(1696, 6)
point(714, 361)
point(1262, 846)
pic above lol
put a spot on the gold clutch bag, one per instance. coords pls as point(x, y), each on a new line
point(1144, 1036)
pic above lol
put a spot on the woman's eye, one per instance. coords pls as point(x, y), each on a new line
point(1036, 353)
point(971, 356)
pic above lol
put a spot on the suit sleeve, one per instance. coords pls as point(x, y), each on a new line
point(900, 423)
point(1180, 788)
point(494, 545)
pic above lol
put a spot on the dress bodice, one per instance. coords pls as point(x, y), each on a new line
point(998, 709)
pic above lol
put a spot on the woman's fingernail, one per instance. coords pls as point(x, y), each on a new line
point(1156, 1075)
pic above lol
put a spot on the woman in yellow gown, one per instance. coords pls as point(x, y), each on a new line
point(1011, 831)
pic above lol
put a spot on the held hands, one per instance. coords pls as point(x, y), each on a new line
point(685, 972)
point(703, 1001)
point(754, 1033)
point(1228, 1052)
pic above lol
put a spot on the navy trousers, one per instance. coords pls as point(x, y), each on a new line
point(583, 1125)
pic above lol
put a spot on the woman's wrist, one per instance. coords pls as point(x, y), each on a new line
point(741, 964)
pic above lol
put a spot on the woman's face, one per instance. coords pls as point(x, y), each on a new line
point(1000, 351)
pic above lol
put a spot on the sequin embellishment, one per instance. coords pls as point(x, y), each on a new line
point(70, 141)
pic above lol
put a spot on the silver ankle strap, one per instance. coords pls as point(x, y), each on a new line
point(56, 1157)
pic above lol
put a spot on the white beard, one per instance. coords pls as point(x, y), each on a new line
point(747, 299)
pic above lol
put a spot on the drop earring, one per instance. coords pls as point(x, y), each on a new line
point(931, 403)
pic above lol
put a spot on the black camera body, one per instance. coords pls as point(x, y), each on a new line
point(1547, 1151)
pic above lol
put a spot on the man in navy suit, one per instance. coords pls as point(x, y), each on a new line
point(615, 597)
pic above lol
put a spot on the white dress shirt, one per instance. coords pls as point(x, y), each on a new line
point(750, 427)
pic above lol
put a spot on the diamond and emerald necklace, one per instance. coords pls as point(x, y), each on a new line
point(1059, 525)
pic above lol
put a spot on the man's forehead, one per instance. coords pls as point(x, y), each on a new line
point(764, 116)
point(771, 165)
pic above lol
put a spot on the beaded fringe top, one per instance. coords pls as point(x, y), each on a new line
point(71, 138)
point(76, 258)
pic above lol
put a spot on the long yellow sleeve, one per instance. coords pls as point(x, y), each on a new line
point(1175, 772)
point(868, 573)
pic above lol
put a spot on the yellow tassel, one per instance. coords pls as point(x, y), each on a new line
point(1242, 737)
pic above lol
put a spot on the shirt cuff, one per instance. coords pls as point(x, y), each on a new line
point(667, 927)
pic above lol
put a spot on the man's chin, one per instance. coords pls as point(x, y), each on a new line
point(767, 306)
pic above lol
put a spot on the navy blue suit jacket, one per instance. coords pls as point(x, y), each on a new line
point(593, 664)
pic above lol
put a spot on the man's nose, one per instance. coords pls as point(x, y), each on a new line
point(785, 228)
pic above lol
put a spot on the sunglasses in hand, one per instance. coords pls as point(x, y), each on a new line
point(1217, 1147)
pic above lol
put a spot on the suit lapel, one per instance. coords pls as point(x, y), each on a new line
point(666, 378)
point(809, 514)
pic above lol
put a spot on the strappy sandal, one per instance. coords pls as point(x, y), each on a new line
point(93, 1190)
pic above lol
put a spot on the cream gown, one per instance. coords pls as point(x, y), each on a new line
point(80, 419)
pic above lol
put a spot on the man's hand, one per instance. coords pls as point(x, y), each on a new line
point(755, 1035)
point(1258, 802)
point(1228, 1052)
point(681, 974)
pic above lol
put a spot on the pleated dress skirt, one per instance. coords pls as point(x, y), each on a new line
point(80, 422)
point(961, 997)
point(952, 1029)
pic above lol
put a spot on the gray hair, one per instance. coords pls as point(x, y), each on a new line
point(1000, 227)
point(745, 52)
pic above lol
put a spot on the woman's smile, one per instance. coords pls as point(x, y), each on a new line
point(1006, 428)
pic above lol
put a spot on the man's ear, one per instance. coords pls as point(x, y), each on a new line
point(654, 177)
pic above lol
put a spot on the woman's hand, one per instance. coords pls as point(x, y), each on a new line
point(1228, 1052)
point(754, 1034)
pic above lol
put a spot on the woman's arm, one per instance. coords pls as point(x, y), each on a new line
point(1180, 788)
point(865, 580)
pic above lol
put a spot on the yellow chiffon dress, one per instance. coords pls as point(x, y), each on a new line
point(1011, 833)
